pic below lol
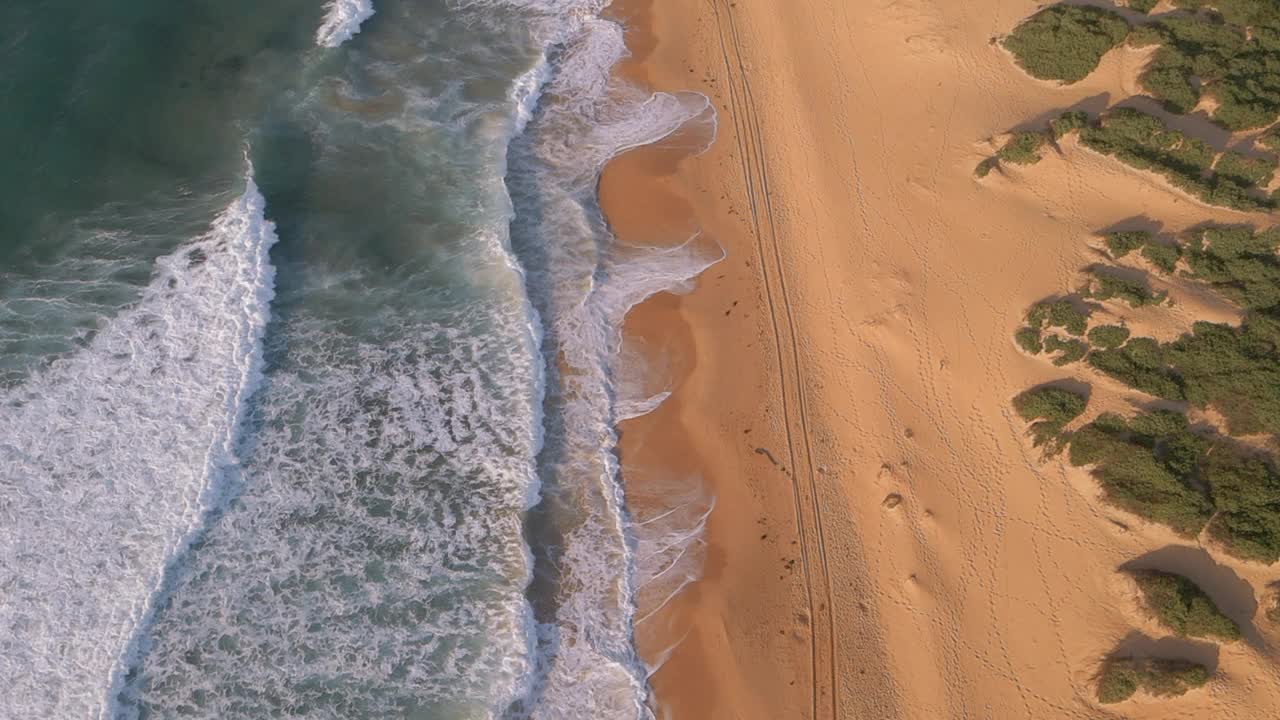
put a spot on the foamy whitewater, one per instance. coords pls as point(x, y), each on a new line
point(342, 21)
point(367, 470)
point(111, 458)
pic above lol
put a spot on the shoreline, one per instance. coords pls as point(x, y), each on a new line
point(738, 642)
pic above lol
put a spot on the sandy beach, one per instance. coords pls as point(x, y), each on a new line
point(886, 543)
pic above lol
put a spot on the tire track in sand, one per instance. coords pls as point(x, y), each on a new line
point(826, 701)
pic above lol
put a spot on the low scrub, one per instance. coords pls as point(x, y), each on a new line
point(1245, 170)
point(1148, 465)
point(1049, 409)
point(1065, 42)
point(1022, 149)
point(1124, 242)
point(1109, 286)
point(1108, 337)
point(1058, 313)
point(1182, 607)
point(1144, 142)
point(1163, 257)
point(1231, 57)
point(1153, 466)
point(1121, 678)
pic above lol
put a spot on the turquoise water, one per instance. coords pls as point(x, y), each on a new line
point(308, 357)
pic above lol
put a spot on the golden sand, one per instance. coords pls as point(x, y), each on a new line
point(886, 543)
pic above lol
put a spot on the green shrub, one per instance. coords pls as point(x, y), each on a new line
point(1118, 681)
point(1058, 313)
point(1022, 149)
point(1142, 6)
point(985, 167)
point(1028, 338)
point(1144, 142)
point(1053, 404)
point(1142, 36)
point(1246, 171)
point(1067, 123)
point(1182, 607)
point(1069, 351)
point(1246, 493)
point(1236, 370)
point(1239, 264)
point(1140, 365)
point(1149, 466)
point(1120, 678)
point(1123, 243)
point(1235, 65)
point(1270, 140)
point(1107, 286)
point(1108, 337)
point(1065, 42)
point(1049, 410)
point(1164, 257)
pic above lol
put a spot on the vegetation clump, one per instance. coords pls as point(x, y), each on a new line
point(1140, 364)
point(1245, 170)
point(1270, 140)
point(1241, 265)
point(1058, 313)
point(1121, 678)
point(1049, 409)
point(1022, 149)
point(1028, 338)
point(1065, 42)
point(1153, 466)
point(1163, 257)
point(1148, 465)
point(1142, 6)
point(1182, 607)
point(1067, 123)
point(1246, 492)
point(1230, 56)
point(1124, 242)
point(985, 167)
point(1108, 337)
point(1109, 286)
point(1068, 350)
point(1144, 142)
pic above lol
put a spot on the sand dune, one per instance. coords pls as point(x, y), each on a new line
point(886, 542)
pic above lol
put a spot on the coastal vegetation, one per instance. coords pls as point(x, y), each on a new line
point(1065, 42)
point(1221, 58)
point(1164, 257)
point(1148, 465)
point(1106, 285)
point(1108, 337)
point(1049, 409)
point(1123, 243)
point(1144, 142)
point(1154, 466)
point(1121, 678)
point(1182, 607)
point(1228, 54)
point(1022, 149)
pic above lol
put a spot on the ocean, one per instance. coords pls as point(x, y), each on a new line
point(311, 361)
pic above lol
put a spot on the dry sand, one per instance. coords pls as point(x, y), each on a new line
point(886, 543)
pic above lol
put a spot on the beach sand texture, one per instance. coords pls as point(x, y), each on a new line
point(886, 543)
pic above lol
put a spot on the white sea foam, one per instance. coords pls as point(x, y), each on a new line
point(374, 562)
point(342, 20)
point(584, 285)
point(110, 457)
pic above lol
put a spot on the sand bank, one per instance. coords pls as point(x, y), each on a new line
point(886, 543)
